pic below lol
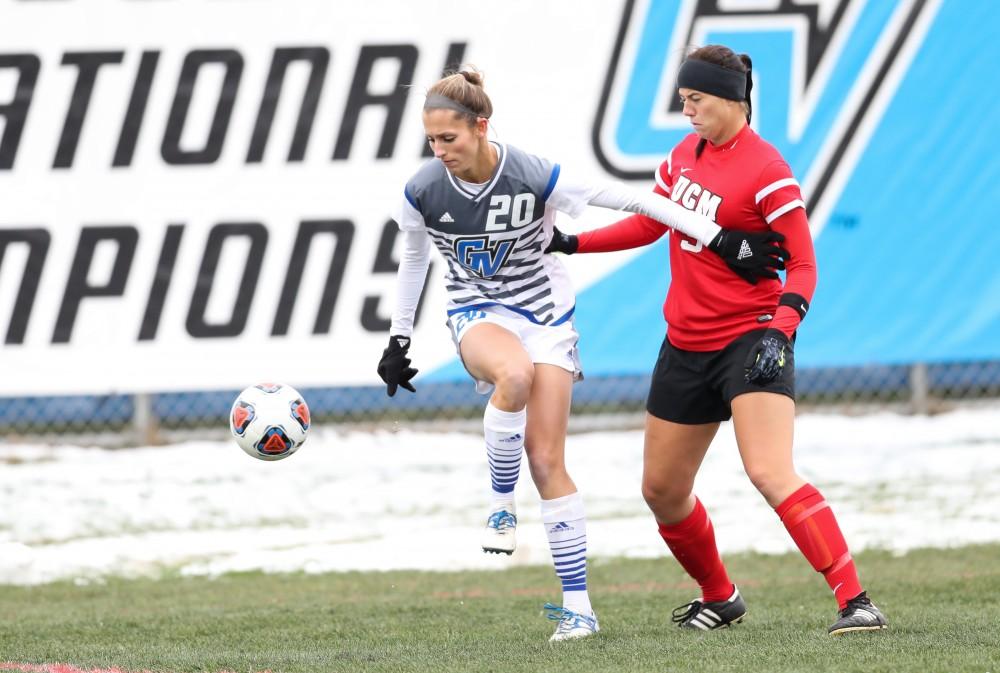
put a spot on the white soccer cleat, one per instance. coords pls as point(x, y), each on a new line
point(572, 625)
point(498, 537)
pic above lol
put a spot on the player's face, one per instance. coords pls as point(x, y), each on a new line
point(714, 119)
point(453, 140)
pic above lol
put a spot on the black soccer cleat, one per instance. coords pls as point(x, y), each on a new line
point(714, 615)
point(860, 614)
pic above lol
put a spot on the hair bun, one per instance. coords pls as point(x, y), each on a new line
point(471, 75)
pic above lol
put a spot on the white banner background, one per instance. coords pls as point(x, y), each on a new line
point(544, 65)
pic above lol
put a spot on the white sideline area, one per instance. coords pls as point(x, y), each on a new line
point(414, 500)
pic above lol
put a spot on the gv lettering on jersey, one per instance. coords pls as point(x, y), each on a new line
point(125, 239)
point(482, 255)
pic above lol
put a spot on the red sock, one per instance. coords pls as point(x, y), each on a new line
point(692, 542)
point(812, 525)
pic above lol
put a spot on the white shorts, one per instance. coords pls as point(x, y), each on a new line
point(545, 344)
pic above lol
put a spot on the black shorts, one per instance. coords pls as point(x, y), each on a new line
point(693, 387)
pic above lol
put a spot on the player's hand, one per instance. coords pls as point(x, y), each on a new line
point(394, 367)
point(766, 359)
point(751, 255)
point(564, 243)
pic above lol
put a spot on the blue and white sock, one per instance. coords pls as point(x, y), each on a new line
point(566, 527)
point(504, 433)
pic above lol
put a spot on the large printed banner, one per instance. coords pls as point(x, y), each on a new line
point(883, 111)
point(195, 194)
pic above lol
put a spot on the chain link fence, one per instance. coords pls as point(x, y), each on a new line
point(601, 402)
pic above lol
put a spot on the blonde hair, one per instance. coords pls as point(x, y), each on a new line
point(465, 87)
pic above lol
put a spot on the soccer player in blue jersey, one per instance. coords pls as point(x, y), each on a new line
point(489, 208)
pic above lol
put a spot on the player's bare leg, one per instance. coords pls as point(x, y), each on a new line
point(494, 354)
point(673, 453)
point(764, 431)
point(548, 419)
point(764, 424)
point(562, 506)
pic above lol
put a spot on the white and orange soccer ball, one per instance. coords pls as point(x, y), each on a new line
point(270, 421)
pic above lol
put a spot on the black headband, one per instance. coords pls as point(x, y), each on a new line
point(712, 79)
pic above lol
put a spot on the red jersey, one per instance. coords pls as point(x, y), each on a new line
point(743, 184)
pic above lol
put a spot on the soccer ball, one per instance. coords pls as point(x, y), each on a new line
point(269, 421)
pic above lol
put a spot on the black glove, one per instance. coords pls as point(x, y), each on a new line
point(394, 367)
point(751, 255)
point(564, 243)
point(767, 357)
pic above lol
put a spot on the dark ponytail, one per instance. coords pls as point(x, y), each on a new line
point(745, 58)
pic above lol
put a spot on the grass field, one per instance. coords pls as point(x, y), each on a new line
point(943, 607)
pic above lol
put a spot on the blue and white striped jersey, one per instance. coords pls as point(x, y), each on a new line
point(492, 239)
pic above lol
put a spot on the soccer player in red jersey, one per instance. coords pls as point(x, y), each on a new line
point(728, 347)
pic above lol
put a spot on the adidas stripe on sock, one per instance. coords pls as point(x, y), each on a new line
point(504, 434)
point(566, 527)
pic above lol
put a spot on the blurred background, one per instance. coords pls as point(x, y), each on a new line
point(195, 196)
point(185, 214)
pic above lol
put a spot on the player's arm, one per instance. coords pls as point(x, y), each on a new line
point(616, 196)
point(780, 203)
point(394, 366)
point(731, 245)
point(413, 263)
point(634, 231)
point(800, 276)
point(571, 194)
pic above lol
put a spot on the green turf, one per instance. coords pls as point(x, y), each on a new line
point(943, 607)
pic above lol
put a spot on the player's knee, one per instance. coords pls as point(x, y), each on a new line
point(665, 495)
point(546, 462)
point(768, 480)
point(513, 382)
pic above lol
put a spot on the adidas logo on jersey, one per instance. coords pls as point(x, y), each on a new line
point(745, 250)
point(446, 218)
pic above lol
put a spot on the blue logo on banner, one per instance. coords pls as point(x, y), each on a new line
point(818, 67)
